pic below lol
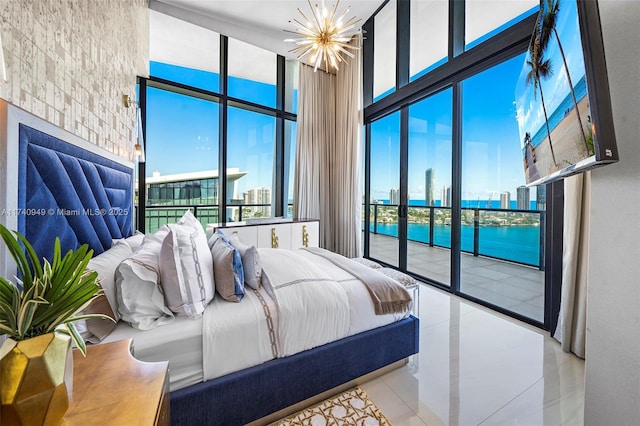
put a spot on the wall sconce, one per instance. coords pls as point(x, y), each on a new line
point(128, 101)
point(139, 146)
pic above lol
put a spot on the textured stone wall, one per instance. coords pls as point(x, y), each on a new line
point(71, 61)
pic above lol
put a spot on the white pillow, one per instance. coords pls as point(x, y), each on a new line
point(133, 241)
point(95, 329)
point(105, 264)
point(250, 261)
point(186, 269)
point(189, 219)
point(138, 289)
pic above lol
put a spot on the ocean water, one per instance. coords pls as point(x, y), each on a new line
point(514, 243)
point(566, 107)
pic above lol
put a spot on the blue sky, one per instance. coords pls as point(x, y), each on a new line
point(182, 131)
point(492, 162)
point(182, 134)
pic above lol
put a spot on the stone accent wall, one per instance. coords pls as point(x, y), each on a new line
point(71, 61)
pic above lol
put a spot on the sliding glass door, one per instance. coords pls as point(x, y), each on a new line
point(429, 188)
point(502, 229)
point(385, 189)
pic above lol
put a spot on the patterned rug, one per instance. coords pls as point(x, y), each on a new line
point(352, 407)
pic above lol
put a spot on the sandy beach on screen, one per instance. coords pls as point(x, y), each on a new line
point(568, 144)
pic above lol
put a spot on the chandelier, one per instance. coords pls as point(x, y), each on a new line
point(324, 37)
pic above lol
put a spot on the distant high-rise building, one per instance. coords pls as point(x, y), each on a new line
point(523, 198)
point(541, 197)
point(394, 196)
point(260, 195)
point(429, 179)
point(505, 200)
point(445, 196)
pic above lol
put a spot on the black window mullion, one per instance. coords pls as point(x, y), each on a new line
point(141, 214)
point(222, 128)
point(367, 187)
point(279, 191)
point(404, 188)
point(456, 27)
point(403, 39)
point(456, 187)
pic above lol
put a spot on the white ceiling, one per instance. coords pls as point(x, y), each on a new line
point(258, 22)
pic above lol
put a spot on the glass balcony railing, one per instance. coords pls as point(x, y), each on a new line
point(506, 234)
point(156, 216)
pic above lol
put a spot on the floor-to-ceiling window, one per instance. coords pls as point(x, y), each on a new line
point(499, 219)
point(429, 187)
point(385, 188)
point(443, 142)
point(220, 120)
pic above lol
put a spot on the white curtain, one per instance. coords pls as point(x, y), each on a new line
point(315, 137)
point(327, 184)
point(572, 319)
point(347, 166)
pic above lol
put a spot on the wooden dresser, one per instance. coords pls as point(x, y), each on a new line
point(110, 386)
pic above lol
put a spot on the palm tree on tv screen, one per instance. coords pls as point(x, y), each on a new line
point(549, 26)
point(540, 68)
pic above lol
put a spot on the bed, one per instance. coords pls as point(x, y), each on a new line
point(55, 176)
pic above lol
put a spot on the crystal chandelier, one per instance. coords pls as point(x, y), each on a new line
point(324, 37)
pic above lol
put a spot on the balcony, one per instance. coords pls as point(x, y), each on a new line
point(502, 272)
point(502, 259)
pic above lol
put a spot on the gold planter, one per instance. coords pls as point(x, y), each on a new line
point(36, 377)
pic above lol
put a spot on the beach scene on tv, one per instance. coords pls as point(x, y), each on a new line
point(551, 95)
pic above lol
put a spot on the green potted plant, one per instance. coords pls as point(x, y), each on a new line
point(37, 314)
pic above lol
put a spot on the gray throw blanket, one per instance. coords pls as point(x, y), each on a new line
point(388, 295)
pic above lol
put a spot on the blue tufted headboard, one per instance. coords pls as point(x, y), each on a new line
point(68, 192)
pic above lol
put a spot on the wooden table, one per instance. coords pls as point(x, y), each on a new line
point(111, 387)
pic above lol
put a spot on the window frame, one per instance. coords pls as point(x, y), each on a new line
point(460, 65)
point(225, 101)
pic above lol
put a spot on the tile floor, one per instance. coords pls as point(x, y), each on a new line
point(478, 367)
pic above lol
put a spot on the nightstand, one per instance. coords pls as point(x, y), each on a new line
point(110, 386)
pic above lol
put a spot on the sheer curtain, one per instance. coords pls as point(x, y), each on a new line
point(327, 182)
point(347, 167)
point(315, 138)
point(572, 319)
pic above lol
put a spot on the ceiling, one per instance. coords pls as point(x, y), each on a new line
point(258, 22)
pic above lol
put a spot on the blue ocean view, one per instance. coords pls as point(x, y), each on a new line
point(565, 107)
point(515, 243)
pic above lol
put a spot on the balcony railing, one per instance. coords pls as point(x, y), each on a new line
point(506, 234)
point(156, 216)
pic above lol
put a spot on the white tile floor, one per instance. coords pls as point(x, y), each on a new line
point(477, 367)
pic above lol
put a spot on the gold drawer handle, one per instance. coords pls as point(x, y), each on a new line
point(305, 236)
point(274, 238)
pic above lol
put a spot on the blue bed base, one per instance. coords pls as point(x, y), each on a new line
point(251, 394)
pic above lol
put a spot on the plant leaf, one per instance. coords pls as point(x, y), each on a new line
point(77, 339)
point(18, 255)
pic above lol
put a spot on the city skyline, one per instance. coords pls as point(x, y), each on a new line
point(523, 199)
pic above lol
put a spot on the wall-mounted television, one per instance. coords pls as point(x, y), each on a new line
point(562, 96)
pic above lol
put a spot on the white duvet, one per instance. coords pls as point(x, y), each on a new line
point(306, 301)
